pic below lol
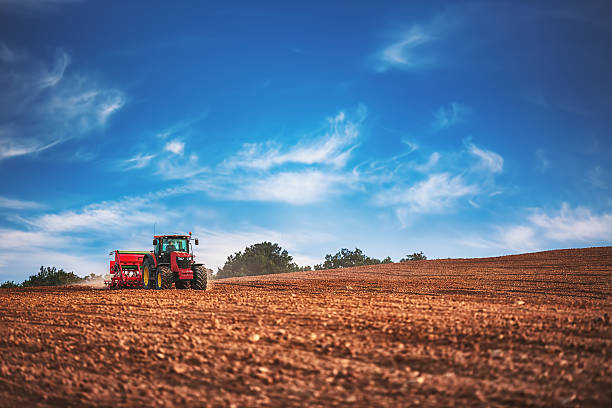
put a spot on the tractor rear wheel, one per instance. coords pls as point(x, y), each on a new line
point(201, 278)
point(146, 276)
point(164, 278)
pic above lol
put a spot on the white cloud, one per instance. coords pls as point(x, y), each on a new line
point(447, 116)
point(489, 160)
point(437, 193)
point(578, 224)
point(434, 158)
point(408, 51)
point(43, 249)
point(564, 228)
point(180, 169)
point(175, 147)
point(105, 216)
point(138, 162)
point(519, 238)
point(333, 148)
point(297, 188)
point(14, 204)
point(114, 103)
point(412, 145)
point(14, 239)
point(41, 106)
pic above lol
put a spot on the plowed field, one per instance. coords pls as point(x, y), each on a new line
point(526, 330)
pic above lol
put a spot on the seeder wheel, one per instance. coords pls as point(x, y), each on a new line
point(146, 276)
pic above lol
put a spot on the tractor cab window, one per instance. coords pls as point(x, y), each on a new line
point(174, 244)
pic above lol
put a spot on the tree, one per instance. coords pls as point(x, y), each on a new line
point(259, 259)
point(8, 285)
point(414, 257)
point(346, 258)
point(51, 276)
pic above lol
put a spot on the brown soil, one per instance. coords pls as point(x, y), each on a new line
point(526, 330)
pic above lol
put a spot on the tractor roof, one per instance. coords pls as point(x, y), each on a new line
point(171, 236)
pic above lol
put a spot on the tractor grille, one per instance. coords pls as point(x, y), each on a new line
point(183, 262)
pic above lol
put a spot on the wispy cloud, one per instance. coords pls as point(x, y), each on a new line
point(434, 158)
point(105, 216)
point(447, 116)
point(15, 204)
point(408, 51)
point(313, 170)
point(451, 178)
point(544, 230)
point(297, 188)
point(489, 160)
point(180, 169)
point(568, 224)
point(175, 160)
point(41, 106)
point(418, 46)
point(138, 162)
point(518, 238)
point(183, 128)
point(438, 193)
point(332, 148)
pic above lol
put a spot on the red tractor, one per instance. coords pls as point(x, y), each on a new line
point(172, 262)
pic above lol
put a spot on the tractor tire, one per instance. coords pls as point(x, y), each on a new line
point(147, 273)
point(165, 278)
point(202, 280)
point(183, 284)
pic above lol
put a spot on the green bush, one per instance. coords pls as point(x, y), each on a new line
point(8, 285)
point(414, 257)
point(346, 259)
point(51, 276)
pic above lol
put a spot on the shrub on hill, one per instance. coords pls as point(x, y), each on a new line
point(259, 259)
point(414, 257)
point(51, 276)
point(346, 258)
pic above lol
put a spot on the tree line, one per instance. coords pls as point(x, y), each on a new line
point(51, 276)
point(268, 258)
point(258, 259)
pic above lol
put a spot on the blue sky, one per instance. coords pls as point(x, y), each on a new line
point(460, 129)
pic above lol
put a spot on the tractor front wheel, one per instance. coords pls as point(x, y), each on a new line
point(164, 278)
point(201, 278)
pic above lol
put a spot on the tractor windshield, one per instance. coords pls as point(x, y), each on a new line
point(175, 244)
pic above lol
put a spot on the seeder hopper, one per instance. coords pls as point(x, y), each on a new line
point(125, 269)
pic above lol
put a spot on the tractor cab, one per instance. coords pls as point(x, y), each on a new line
point(171, 243)
point(164, 245)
